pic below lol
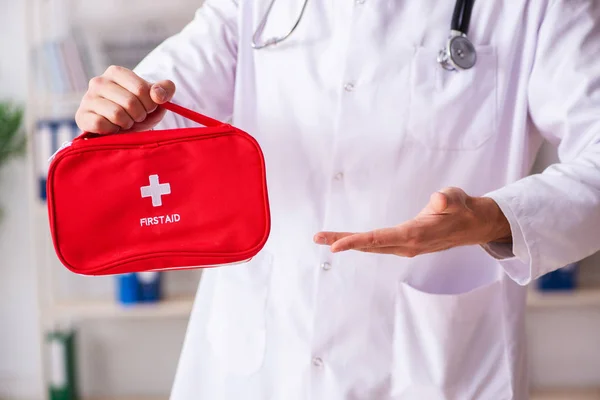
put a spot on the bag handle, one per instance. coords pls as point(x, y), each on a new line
point(191, 115)
point(177, 109)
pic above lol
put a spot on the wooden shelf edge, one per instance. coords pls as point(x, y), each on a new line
point(566, 394)
point(574, 299)
point(127, 398)
point(182, 306)
point(179, 307)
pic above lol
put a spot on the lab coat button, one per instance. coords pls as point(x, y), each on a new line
point(338, 176)
point(349, 87)
point(317, 362)
point(326, 266)
point(360, 2)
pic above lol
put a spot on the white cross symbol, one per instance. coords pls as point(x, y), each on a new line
point(155, 190)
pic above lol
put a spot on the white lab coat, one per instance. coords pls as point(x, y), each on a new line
point(359, 125)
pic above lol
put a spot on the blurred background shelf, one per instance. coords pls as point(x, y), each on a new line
point(177, 307)
point(579, 394)
point(64, 99)
point(589, 394)
point(126, 398)
point(584, 297)
point(181, 306)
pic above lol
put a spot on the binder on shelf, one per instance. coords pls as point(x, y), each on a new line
point(52, 65)
point(44, 143)
point(63, 66)
point(48, 137)
point(62, 384)
point(128, 289)
point(65, 132)
point(563, 279)
point(66, 66)
point(75, 64)
point(150, 286)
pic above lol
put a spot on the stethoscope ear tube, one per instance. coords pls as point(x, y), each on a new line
point(461, 17)
point(258, 44)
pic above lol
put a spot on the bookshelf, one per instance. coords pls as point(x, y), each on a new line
point(69, 42)
point(585, 297)
point(566, 394)
point(590, 394)
point(181, 306)
point(126, 398)
point(175, 307)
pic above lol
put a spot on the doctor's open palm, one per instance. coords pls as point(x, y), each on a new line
point(450, 219)
point(121, 101)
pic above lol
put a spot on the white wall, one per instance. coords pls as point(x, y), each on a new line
point(19, 355)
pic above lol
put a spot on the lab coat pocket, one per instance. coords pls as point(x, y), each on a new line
point(450, 347)
point(236, 327)
point(453, 110)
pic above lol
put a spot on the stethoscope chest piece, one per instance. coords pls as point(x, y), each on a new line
point(459, 54)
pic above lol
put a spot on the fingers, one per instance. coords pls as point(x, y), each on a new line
point(129, 81)
point(438, 202)
point(124, 98)
point(328, 238)
point(113, 112)
point(378, 238)
point(397, 251)
point(120, 100)
point(446, 200)
point(162, 91)
point(456, 197)
point(95, 123)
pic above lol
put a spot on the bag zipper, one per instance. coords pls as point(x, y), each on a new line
point(66, 145)
point(62, 147)
point(207, 266)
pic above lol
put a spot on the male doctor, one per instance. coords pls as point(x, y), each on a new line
point(404, 223)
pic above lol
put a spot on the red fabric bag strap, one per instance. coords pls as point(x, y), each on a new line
point(192, 115)
point(177, 109)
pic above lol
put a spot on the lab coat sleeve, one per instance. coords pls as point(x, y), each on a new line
point(201, 60)
point(555, 215)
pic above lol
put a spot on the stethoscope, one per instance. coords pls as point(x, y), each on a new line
point(459, 53)
point(257, 45)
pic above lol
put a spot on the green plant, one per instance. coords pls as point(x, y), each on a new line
point(12, 142)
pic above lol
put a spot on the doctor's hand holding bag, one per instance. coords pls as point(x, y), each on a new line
point(174, 198)
point(398, 142)
point(121, 101)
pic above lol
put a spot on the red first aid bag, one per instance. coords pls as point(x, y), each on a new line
point(158, 200)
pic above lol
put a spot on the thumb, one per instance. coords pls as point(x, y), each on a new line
point(162, 91)
point(447, 199)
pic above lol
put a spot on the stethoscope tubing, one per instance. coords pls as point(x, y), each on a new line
point(461, 19)
point(261, 27)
